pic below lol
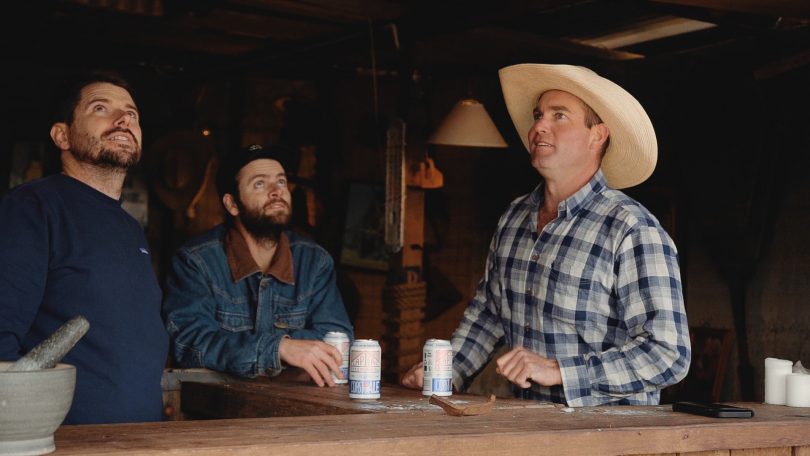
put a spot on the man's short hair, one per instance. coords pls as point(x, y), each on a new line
point(231, 165)
point(71, 93)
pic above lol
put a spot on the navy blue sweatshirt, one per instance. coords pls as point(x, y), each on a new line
point(66, 250)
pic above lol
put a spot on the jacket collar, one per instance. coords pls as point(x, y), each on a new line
point(243, 265)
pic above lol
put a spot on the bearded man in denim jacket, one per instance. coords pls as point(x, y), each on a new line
point(250, 297)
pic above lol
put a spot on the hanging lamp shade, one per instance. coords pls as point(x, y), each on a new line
point(468, 124)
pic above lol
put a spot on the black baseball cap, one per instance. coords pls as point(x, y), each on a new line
point(233, 163)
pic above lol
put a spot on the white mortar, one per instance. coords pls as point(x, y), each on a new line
point(32, 405)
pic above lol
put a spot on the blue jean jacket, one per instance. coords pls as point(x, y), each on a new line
point(236, 327)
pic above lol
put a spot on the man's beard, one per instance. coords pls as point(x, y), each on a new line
point(90, 150)
point(263, 226)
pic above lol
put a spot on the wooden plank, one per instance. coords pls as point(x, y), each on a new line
point(763, 452)
point(171, 382)
point(414, 228)
point(222, 401)
point(775, 8)
point(782, 66)
point(706, 453)
point(594, 430)
point(347, 11)
point(243, 398)
point(643, 31)
point(801, 451)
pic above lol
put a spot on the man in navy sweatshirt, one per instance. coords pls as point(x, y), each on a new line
point(68, 248)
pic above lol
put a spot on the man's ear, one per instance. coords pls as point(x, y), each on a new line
point(59, 135)
point(230, 204)
point(599, 134)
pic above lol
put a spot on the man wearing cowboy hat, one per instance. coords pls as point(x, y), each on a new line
point(250, 296)
point(582, 283)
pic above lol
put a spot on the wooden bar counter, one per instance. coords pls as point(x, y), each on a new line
point(263, 398)
point(383, 428)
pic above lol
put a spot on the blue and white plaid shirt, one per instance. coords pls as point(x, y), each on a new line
point(598, 290)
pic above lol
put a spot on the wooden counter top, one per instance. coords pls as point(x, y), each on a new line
point(775, 430)
point(264, 398)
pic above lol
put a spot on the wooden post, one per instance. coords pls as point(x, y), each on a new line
point(405, 292)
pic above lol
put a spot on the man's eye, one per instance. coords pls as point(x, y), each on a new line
point(282, 183)
point(258, 184)
point(132, 114)
point(99, 108)
point(560, 115)
point(537, 115)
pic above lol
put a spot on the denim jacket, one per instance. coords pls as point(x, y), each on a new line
point(235, 326)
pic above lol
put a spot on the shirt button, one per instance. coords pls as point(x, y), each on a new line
point(535, 257)
point(264, 284)
point(529, 291)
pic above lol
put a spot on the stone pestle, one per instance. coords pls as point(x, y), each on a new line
point(51, 350)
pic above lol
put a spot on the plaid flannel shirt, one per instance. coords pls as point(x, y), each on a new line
point(598, 290)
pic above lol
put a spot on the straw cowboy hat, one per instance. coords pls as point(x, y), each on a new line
point(633, 151)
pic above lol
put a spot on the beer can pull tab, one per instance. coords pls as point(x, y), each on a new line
point(469, 410)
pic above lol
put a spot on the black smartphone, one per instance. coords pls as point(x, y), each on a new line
point(713, 410)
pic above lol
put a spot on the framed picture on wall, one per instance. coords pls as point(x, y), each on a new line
point(364, 229)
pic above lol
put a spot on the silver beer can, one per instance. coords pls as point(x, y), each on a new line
point(340, 341)
point(437, 364)
point(364, 369)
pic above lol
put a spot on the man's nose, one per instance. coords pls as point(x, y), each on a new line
point(122, 118)
point(540, 125)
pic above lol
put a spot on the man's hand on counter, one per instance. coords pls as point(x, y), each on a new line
point(413, 378)
point(520, 366)
point(317, 358)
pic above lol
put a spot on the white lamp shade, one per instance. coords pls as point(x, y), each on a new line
point(468, 124)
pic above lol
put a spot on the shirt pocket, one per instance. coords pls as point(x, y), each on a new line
point(289, 313)
point(566, 296)
point(235, 314)
point(579, 302)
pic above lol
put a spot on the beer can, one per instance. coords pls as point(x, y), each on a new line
point(340, 341)
point(437, 362)
point(364, 369)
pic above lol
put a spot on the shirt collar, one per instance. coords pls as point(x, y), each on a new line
point(571, 205)
point(243, 265)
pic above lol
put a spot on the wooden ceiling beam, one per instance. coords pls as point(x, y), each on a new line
point(653, 29)
point(777, 8)
point(262, 27)
point(782, 66)
point(344, 11)
point(507, 37)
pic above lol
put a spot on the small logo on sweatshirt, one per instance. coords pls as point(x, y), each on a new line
point(143, 250)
